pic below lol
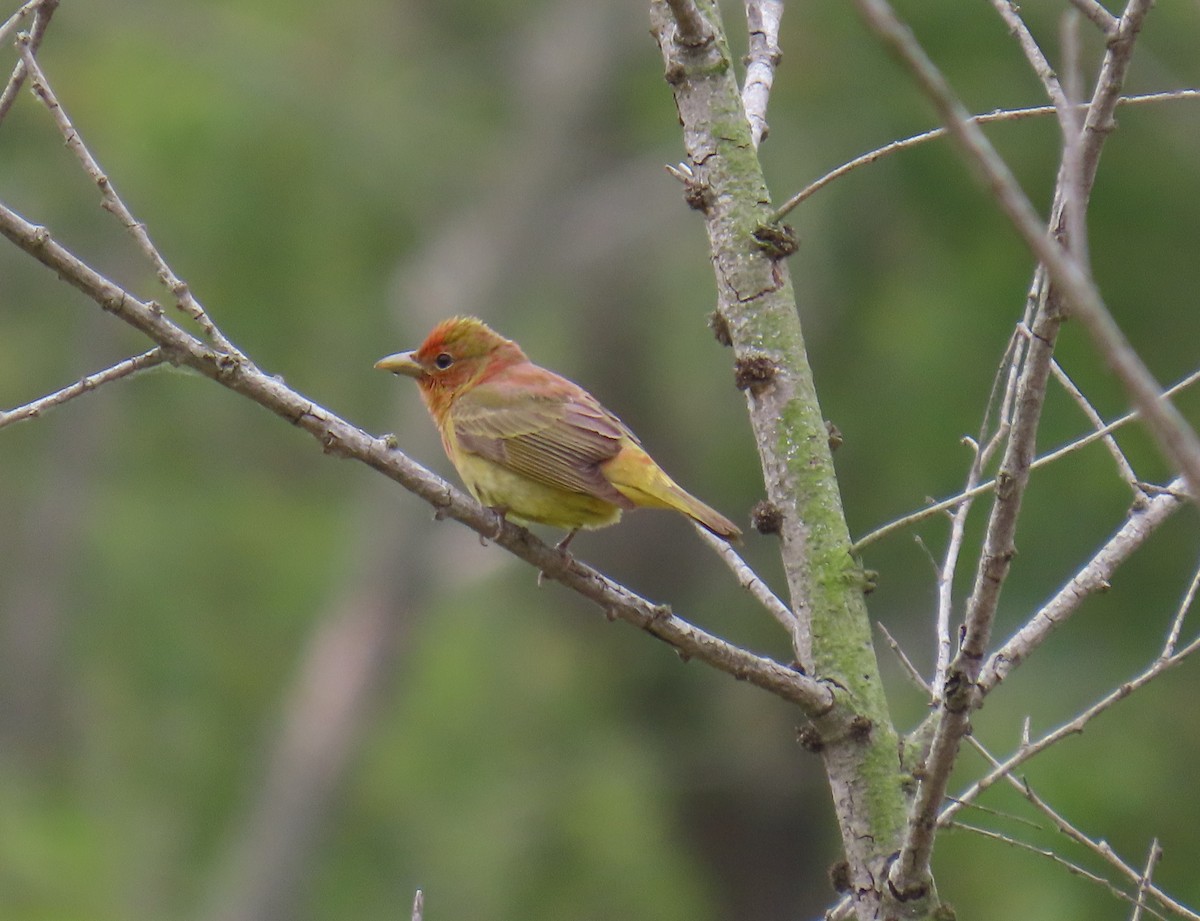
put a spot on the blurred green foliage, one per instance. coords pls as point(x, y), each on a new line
point(332, 179)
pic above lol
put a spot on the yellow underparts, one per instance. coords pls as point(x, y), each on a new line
point(527, 501)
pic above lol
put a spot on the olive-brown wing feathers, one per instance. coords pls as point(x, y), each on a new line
point(557, 439)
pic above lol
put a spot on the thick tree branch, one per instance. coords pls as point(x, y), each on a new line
point(756, 313)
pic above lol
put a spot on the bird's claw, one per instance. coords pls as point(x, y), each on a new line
point(500, 511)
point(561, 547)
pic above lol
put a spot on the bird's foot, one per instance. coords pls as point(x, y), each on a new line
point(561, 547)
point(500, 511)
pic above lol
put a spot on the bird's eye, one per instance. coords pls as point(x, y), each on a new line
point(443, 361)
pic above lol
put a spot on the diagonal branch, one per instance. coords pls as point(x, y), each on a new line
point(910, 875)
point(42, 10)
point(943, 505)
point(86, 384)
point(1092, 578)
point(338, 436)
point(112, 202)
point(1175, 437)
point(933, 134)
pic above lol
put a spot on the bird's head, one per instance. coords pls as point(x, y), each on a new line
point(456, 355)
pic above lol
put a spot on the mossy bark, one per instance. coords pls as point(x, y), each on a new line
point(756, 305)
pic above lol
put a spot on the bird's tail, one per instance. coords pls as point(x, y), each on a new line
point(637, 477)
point(705, 515)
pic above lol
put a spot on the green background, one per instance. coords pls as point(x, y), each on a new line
point(331, 179)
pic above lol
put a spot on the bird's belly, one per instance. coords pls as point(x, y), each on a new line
point(529, 501)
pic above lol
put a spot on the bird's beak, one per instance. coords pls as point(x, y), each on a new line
point(401, 363)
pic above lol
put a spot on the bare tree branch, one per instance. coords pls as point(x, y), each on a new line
point(693, 29)
point(916, 140)
point(1092, 578)
point(1070, 866)
point(1071, 447)
point(1104, 851)
point(15, 19)
point(909, 875)
point(1175, 437)
point(1107, 22)
point(751, 581)
point(1011, 15)
point(1152, 858)
point(43, 10)
point(86, 384)
point(1123, 466)
point(112, 202)
point(340, 437)
point(762, 19)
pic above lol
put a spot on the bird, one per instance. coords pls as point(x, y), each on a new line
point(530, 444)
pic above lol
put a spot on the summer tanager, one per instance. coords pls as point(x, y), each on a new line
point(533, 445)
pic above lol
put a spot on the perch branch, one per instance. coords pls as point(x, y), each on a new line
point(341, 438)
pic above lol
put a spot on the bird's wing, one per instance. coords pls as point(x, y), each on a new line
point(558, 439)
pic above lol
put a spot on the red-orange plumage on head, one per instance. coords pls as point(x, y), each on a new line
point(458, 354)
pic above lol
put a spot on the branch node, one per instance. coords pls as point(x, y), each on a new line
point(766, 517)
point(720, 328)
point(778, 241)
point(755, 373)
point(809, 738)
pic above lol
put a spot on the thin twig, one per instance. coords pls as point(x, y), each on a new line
point(84, 385)
point(1073, 180)
point(1093, 577)
point(1189, 598)
point(909, 875)
point(41, 22)
point(1002, 115)
point(1070, 448)
point(15, 19)
point(1152, 859)
point(750, 580)
point(763, 18)
point(1123, 466)
point(1099, 847)
point(112, 202)
point(1170, 430)
point(984, 448)
point(1011, 15)
point(1099, 15)
point(1104, 851)
point(1073, 868)
point(1029, 749)
point(909, 668)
